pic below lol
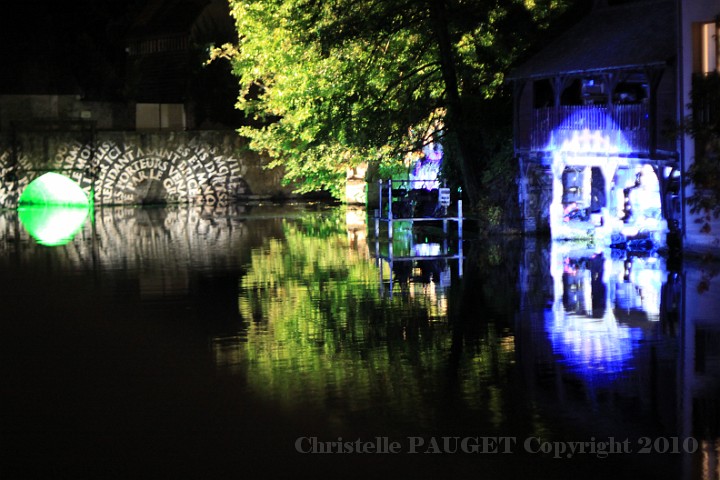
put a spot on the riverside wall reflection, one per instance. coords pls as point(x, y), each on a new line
point(167, 238)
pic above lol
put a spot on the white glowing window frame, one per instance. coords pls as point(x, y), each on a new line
point(710, 51)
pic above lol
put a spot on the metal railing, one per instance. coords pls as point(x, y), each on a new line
point(391, 189)
point(631, 119)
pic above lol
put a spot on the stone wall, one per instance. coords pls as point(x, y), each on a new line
point(27, 109)
point(123, 168)
point(535, 196)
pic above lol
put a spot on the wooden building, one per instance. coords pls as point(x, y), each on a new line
point(595, 113)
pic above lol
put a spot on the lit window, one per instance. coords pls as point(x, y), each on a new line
point(707, 59)
point(160, 116)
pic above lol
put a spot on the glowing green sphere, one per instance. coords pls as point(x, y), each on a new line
point(53, 189)
point(53, 208)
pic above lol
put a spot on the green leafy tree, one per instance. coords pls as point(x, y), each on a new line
point(335, 83)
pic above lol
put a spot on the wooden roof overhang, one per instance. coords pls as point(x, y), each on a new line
point(635, 37)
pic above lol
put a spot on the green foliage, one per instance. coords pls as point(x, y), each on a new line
point(335, 83)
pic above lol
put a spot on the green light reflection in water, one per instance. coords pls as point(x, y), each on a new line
point(53, 225)
point(320, 332)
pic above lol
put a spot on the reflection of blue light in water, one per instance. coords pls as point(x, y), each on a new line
point(603, 308)
point(593, 347)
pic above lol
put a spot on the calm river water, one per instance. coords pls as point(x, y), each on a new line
point(242, 342)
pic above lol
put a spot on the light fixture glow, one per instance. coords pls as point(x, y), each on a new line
point(53, 208)
point(426, 171)
point(53, 189)
point(599, 190)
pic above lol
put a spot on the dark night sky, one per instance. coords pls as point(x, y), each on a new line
point(43, 46)
point(29, 29)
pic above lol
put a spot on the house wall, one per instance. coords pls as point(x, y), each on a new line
point(693, 11)
point(667, 111)
point(535, 191)
point(524, 106)
point(701, 328)
point(64, 108)
point(209, 167)
point(533, 124)
point(538, 129)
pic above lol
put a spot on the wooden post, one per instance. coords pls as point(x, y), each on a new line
point(460, 221)
point(390, 215)
point(653, 75)
point(378, 214)
point(518, 87)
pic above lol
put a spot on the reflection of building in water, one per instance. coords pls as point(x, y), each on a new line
point(604, 307)
point(425, 280)
point(356, 222)
point(628, 337)
point(700, 365)
point(417, 266)
point(601, 338)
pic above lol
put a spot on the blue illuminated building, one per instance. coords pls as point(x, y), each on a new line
point(590, 114)
point(601, 159)
point(596, 124)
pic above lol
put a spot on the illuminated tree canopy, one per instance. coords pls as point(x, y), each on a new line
point(334, 83)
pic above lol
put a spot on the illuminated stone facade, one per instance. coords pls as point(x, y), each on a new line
point(114, 168)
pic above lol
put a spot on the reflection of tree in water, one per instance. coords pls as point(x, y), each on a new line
point(426, 274)
point(320, 333)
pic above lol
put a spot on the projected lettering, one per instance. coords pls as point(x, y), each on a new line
point(133, 169)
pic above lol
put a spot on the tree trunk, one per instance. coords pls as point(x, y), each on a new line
point(456, 142)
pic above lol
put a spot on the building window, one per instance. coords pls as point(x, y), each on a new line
point(160, 116)
point(706, 59)
point(149, 46)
